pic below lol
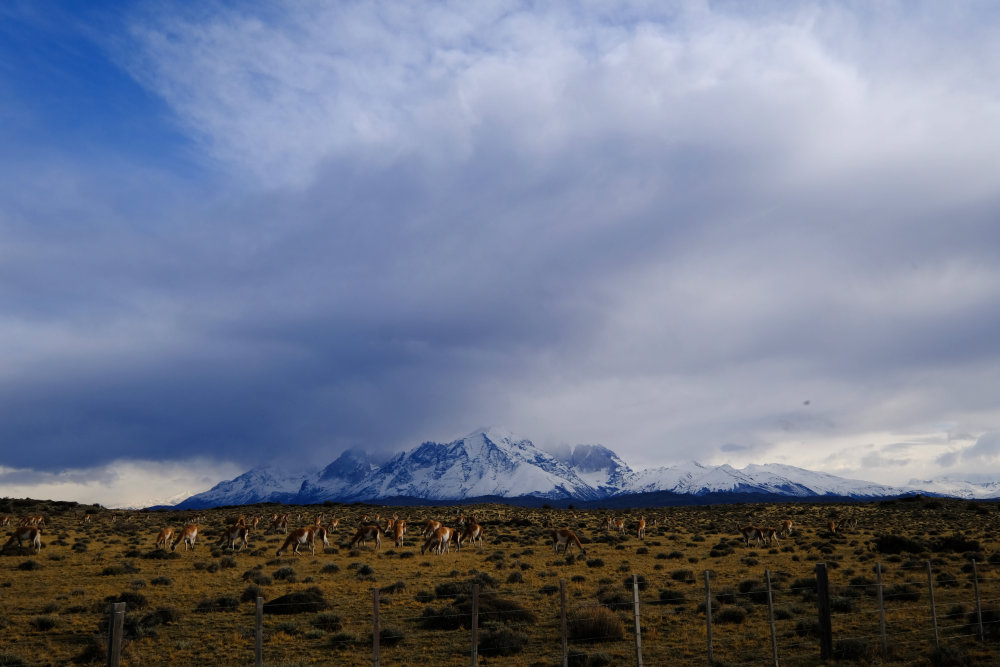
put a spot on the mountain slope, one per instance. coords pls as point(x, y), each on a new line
point(488, 462)
point(493, 463)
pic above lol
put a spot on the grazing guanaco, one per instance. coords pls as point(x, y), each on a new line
point(164, 538)
point(439, 540)
point(365, 533)
point(29, 534)
point(564, 537)
point(302, 536)
point(189, 534)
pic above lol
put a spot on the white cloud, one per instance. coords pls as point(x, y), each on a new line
point(119, 484)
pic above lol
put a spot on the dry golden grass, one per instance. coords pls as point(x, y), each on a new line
point(197, 607)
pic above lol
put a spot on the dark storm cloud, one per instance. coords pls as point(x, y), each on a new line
point(659, 232)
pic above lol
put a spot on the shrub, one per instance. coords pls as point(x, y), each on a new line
point(298, 602)
point(730, 615)
point(29, 565)
point(390, 636)
point(595, 562)
point(855, 650)
point(500, 640)
point(285, 574)
point(671, 596)
point(44, 623)
point(251, 593)
point(956, 543)
point(327, 622)
point(221, 603)
point(595, 624)
point(896, 544)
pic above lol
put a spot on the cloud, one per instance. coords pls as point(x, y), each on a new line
point(659, 229)
point(985, 451)
point(122, 483)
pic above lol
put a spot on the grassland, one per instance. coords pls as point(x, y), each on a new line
point(197, 607)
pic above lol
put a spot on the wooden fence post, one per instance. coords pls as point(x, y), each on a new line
point(116, 623)
point(258, 644)
point(770, 618)
point(376, 630)
point(930, 591)
point(708, 616)
point(562, 623)
point(823, 605)
point(881, 610)
point(475, 625)
point(979, 604)
point(638, 628)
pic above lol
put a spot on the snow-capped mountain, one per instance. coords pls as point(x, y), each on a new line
point(488, 462)
point(260, 485)
point(495, 463)
point(600, 467)
point(351, 468)
point(971, 487)
point(773, 478)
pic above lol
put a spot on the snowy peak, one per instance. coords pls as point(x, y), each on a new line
point(493, 462)
point(772, 478)
point(487, 462)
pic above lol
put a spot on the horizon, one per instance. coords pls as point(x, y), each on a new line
point(235, 235)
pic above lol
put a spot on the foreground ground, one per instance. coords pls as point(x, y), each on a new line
point(197, 607)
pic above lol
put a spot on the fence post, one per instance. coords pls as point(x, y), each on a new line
point(979, 604)
point(930, 591)
point(823, 605)
point(562, 622)
point(770, 618)
point(475, 625)
point(881, 610)
point(638, 629)
point(708, 616)
point(115, 624)
point(258, 644)
point(376, 630)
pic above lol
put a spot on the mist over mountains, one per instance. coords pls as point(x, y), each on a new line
point(494, 464)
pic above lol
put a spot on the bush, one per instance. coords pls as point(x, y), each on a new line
point(855, 650)
point(285, 574)
point(221, 603)
point(956, 543)
point(500, 640)
point(44, 623)
point(327, 622)
point(298, 602)
point(29, 565)
point(595, 624)
point(390, 636)
point(671, 596)
point(896, 544)
point(730, 615)
point(251, 593)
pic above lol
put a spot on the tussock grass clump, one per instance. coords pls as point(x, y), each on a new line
point(500, 640)
point(298, 602)
point(327, 622)
point(897, 544)
point(671, 596)
point(221, 603)
point(730, 614)
point(595, 624)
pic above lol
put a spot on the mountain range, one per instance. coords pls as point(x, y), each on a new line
point(493, 464)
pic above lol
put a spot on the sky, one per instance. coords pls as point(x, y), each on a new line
point(235, 234)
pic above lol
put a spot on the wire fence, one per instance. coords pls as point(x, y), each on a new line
point(772, 618)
